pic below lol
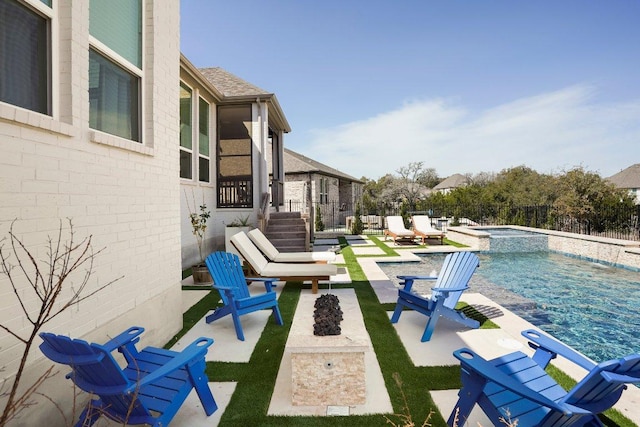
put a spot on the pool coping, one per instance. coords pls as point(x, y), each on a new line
point(615, 252)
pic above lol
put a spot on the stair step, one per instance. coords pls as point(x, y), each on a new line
point(287, 231)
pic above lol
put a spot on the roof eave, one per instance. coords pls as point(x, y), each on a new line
point(195, 74)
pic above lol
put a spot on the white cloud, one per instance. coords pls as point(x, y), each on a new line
point(548, 132)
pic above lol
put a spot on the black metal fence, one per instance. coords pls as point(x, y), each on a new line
point(618, 222)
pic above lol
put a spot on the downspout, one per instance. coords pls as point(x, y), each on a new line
point(312, 213)
point(263, 148)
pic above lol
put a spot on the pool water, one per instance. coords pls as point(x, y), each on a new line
point(592, 307)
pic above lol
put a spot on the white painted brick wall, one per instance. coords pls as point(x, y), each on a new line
point(127, 198)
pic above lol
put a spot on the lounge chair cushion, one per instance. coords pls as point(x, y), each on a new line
point(264, 268)
point(272, 253)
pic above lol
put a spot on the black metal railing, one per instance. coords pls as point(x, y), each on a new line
point(618, 222)
point(235, 192)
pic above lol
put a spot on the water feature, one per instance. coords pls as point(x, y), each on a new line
point(505, 239)
point(593, 307)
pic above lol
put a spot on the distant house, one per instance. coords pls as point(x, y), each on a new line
point(309, 183)
point(451, 183)
point(230, 130)
point(628, 179)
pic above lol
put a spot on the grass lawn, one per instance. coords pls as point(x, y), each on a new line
point(408, 386)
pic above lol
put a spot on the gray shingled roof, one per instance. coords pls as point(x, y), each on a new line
point(454, 181)
point(229, 84)
point(627, 178)
point(297, 163)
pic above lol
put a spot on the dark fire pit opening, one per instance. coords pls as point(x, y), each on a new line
point(327, 315)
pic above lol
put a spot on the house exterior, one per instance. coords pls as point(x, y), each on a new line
point(309, 183)
point(110, 126)
point(628, 179)
point(451, 183)
point(227, 130)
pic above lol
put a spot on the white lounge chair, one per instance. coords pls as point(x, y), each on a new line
point(397, 230)
point(423, 228)
point(284, 271)
point(272, 253)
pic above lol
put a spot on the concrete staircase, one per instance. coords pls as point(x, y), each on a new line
point(288, 232)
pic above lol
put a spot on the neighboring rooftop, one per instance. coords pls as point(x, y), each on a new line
point(234, 89)
point(297, 163)
point(454, 181)
point(628, 178)
point(229, 84)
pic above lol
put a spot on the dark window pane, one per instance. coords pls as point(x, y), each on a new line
point(113, 98)
point(203, 171)
point(185, 165)
point(24, 57)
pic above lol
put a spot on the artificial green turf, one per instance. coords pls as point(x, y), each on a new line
point(408, 386)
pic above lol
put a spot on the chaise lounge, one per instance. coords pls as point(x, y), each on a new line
point(285, 271)
point(397, 230)
point(422, 228)
point(272, 253)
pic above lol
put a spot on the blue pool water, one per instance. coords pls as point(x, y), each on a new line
point(592, 307)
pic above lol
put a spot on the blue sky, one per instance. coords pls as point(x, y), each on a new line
point(463, 86)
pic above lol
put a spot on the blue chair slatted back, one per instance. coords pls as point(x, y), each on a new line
point(604, 384)
point(94, 370)
point(226, 270)
point(457, 269)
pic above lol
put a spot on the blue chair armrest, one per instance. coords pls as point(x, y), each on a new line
point(222, 287)
point(268, 281)
point(473, 363)
point(547, 348)
point(613, 377)
point(130, 336)
point(194, 351)
point(417, 277)
point(448, 290)
point(408, 280)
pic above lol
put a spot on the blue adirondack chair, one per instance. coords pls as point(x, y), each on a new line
point(517, 387)
point(453, 279)
point(229, 280)
point(149, 390)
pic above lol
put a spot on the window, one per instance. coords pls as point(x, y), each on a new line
point(324, 192)
point(25, 55)
point(235, 179)
point(186, 133)
point(115, 67)
point(203, 141)
point(188, 149)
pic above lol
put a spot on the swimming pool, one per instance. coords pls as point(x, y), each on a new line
point(592, 307)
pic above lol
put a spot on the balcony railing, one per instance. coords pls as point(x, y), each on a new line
point(235, 192)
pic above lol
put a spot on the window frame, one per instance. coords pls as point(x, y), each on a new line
point(324, 191)
point(120, 61)
point(201, 156)
point(182, 149)
point(49, 13)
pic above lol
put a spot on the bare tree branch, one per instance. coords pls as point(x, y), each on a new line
point(65, 257)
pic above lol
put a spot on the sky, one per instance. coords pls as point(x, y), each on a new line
point(464, 86)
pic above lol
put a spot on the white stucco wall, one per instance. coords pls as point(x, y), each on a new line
point(125, 194)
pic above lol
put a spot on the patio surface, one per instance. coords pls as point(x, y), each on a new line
point(447, 337)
